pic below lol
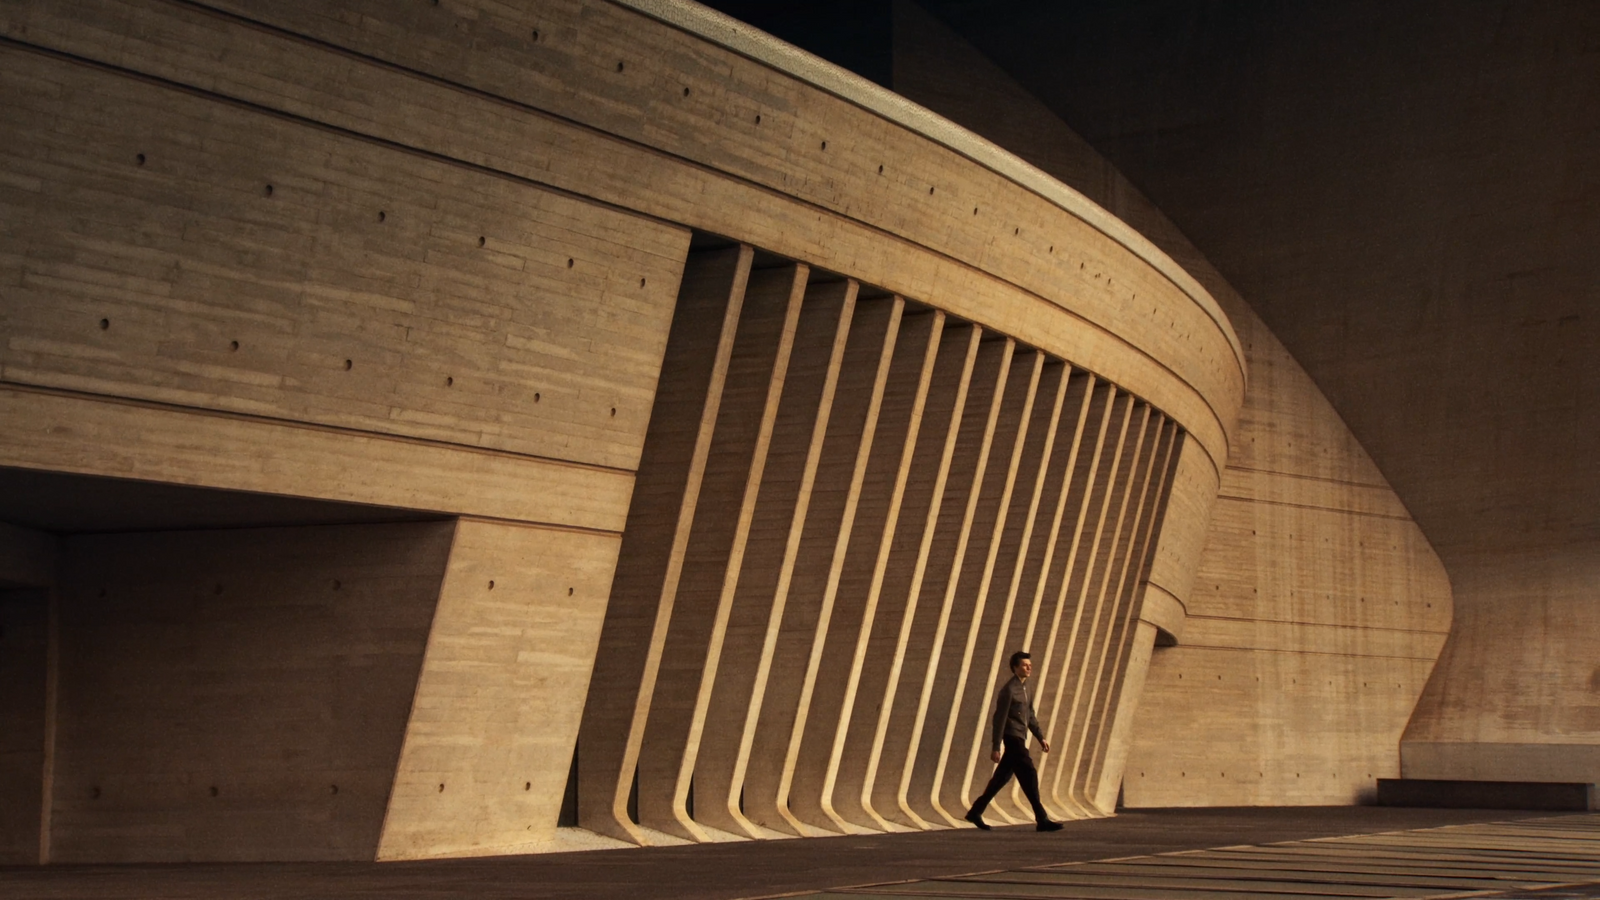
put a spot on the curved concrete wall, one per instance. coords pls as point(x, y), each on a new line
point(1447, 309)
point(438, 259)
point(1306, 607)
point(849, 512)
point(1514, 697)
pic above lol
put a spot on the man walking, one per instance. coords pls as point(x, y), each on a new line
point(1013, 719)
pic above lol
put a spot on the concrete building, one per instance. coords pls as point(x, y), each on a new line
point(467, 428)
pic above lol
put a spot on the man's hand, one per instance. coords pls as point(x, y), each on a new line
point(995, 757)
point(1044, 745)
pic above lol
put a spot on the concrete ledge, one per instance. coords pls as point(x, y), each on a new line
point(1499, 761)
point(1165, 612)
point(1444, 794)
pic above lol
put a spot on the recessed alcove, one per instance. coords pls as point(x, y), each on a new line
point(219, 658)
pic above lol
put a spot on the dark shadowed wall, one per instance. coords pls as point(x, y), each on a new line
point(24, 646)
point(238, 694)
point(1318, 608)
point(1410, 197)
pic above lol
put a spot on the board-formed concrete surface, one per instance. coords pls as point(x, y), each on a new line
point(769, 415)
point(771, 421)
point(1488, 843)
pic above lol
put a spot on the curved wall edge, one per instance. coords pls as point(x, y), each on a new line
point(746, 40)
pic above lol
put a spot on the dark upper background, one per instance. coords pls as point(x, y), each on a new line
point(1407, 193)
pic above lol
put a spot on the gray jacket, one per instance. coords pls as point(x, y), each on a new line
point(1013, 713)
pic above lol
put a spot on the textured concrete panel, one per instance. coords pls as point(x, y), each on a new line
point(501, 691)
point(237, 694)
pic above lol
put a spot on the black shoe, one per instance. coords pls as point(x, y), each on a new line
point(976, 818)
point(1049, 826)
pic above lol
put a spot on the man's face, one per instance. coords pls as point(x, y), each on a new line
point(1024, 668)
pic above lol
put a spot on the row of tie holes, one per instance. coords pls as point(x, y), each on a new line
point(105, 324)
point(1015, 231)
point(534, 33)
point(449, 381)
point(621, 66)
point(383, 216)
point(95, 792)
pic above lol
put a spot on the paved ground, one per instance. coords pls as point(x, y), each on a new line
point(771, 868)
point(1531, 858)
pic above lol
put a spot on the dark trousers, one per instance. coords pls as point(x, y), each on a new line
point(1015, 761)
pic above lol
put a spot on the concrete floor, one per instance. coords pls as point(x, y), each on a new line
point(1537, 857)
point(726, 871)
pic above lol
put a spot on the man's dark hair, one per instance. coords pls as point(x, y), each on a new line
point(1018, 657)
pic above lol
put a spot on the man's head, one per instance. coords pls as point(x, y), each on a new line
point(1021, 664)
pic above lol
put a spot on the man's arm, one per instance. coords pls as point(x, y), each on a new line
point(1033, 726)
point(1002, 707)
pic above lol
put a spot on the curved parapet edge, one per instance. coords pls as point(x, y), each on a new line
point(749, 41)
